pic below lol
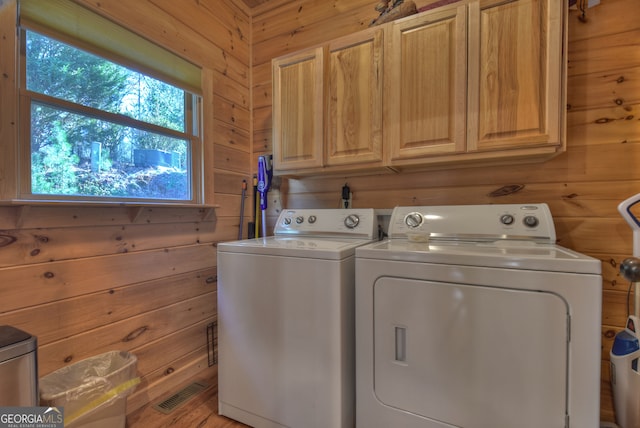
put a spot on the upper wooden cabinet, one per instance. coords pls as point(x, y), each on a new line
point(475, 81)
point(298, 104)
point(354, 110)
point(327, 105)
point(427, 86)
point(515, 74)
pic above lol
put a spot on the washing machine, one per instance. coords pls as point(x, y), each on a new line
point(473, 317)
point(286, 320)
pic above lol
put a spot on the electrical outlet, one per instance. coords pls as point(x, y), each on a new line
point(348, 201)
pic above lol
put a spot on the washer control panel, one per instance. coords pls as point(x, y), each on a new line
point(474, 222)
point(357, 223)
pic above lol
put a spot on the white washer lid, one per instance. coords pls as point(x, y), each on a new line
point(301, 247)
point(521, 255)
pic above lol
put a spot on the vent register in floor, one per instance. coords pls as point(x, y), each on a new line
point(181, 397)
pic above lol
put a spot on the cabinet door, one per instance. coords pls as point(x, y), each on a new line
point(354, 110)
point(426, 92)
point(298, 100)
point(515, 74)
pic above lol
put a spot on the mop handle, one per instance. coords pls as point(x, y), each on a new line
point(242, 196)
point(624, 208)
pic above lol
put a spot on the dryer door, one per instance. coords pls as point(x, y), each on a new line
point(471, 356)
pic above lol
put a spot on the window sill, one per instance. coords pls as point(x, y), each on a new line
point(135, 211)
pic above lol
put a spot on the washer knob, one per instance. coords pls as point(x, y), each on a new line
point(530, 221)
point(300, 219)
point(351, 221)
point(413, 220)
point(312, 219)
point(287, 221)
point(506, 219)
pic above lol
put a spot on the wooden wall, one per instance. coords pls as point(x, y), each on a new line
point(582, 186)
point(91, 279)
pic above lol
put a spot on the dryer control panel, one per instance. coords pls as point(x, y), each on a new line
point(527, 222)
point(352, 223)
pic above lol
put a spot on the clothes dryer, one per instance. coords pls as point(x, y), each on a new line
point(286, 314)
point(472, 316)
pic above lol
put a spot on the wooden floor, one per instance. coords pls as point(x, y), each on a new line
point(199, 412)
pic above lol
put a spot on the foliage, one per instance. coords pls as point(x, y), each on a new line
point(91, 102)
point(52, 167)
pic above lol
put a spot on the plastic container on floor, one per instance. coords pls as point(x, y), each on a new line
point(93, 392)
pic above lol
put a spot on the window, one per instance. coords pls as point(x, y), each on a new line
point(93, 128)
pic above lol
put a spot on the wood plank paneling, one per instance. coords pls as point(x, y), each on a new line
point(603, 162)
point(575, 199)
point(230, 90)
point(232, 15)
point(39, 246)
point(229, 229)
point(157, 356)
point(49, 282)
point(218, 22)
point(8, 100)
point(69, 215)
point(620, 124)
point(300, 16)
point(175, 32)
point(605, 53)
point(262, 94)
point(262, 88)
point(614, 16)
point(262, 119)
point(229, 183)
point(230, 113)
point(139, 329)
point(262, 141)
point(90, 279)
point(231, 136)
point(231, 159)
point(607, 89)
point(231, 202)
point(57, 320)
point(287, 43)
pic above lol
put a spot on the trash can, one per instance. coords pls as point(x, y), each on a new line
point(93, 392)
point(18, 368)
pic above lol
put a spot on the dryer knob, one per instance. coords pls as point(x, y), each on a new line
point(287, 221)
point(299, 219)
point(506, 219)
point(530, 221)
point(351, 221)
point(413, 220)
point(312, 219)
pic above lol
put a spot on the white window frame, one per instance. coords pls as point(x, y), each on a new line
point(17, 184)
